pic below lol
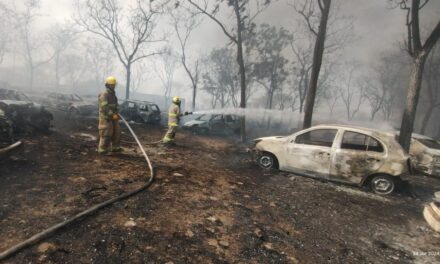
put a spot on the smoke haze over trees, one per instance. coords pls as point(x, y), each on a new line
point(258, 54)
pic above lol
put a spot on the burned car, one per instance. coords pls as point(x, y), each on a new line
point(425, 155)
point(353, 155)
point(22, 113)
point(73, 104)
point(214, 124)
point(140, 111)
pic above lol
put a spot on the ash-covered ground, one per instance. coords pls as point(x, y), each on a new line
point(209, 203)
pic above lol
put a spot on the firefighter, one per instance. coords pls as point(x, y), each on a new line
point(109, 129)
point(174, 115)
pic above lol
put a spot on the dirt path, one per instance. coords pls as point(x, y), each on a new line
point(208, 204)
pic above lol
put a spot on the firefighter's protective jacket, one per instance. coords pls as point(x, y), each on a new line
point(174, 115)
point(108, 106)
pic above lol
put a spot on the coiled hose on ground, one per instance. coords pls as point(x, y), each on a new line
point(46, 233)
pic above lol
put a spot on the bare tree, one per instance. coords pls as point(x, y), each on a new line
point(419, 52)
point(350, 95)
point(74, 66)
point(165, 70)
point(5, 25)
point(220, 79)
point(269, 69)
point(130, 37)
point(318, 52)
point(375, 95)
point(243, 23)
point(338, 34)
point(32, 42)
point(61, 37)
point(140, 76)
point(301, 69)
point(331, 96)
point(100, 56)
point(184, 26)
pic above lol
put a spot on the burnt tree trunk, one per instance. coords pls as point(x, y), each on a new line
point(415, 83)
point(317, 61)
point(240, 61)
point(194, 95)
point(419, 52)
point(127, 84)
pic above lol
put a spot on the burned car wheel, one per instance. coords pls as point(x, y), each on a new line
point(267, 161)
point(382, 184)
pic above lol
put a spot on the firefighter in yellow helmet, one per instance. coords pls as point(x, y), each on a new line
point(174, 115)
point(109, 129)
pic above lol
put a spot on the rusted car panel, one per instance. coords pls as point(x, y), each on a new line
point(425, 155)
point(339, 153)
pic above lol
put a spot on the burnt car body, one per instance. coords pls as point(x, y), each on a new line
point(22, 113)
point(214, 124)
point(71, 103)
point(425, 155)
point(353, 155)
point(140, 111)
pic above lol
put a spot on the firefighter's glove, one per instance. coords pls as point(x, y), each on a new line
point(115, 117)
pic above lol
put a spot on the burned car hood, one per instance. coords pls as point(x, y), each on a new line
point(83, 104)
point(274, 138)
point(194, 122)
point(15, 102)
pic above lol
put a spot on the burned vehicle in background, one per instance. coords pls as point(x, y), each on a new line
point(22, 114)
point(353, 155)
point(140, 111)
point(72, 104)
point(214, 124)
point(425, 155)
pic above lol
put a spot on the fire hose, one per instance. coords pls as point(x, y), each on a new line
point(46, 233)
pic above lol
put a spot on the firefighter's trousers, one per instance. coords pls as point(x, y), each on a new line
point(109, 136)
point(170, 135)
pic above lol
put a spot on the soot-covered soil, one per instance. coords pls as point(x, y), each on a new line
point(209, 203)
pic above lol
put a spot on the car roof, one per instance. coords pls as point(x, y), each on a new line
point(355, 128)
point(139, 101)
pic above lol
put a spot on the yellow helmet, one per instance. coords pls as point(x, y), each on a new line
point(110, 80)
point(176, 99)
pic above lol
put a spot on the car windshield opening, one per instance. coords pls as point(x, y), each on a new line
point(143, 108)
point(204, 118)
point(318, 137)
point(154, 108)
point(430, 143)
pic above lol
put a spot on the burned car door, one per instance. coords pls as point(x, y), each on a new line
point(357, 156)
point(310, 153)
point(128, 110)
point(217, 124)
point(232, 124)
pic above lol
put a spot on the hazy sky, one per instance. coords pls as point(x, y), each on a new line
point(377, 27)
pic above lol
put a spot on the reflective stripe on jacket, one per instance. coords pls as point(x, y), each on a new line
point(174, 115)
point(108, 104)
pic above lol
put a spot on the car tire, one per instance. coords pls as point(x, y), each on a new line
point(382, 184)
point(267, 161)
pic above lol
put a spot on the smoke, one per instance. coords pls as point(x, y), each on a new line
point(265, 122)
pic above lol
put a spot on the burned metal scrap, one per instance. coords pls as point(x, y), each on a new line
point(24, 116)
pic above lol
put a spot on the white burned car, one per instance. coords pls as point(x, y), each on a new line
point(348, 154)
point(425, 155)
